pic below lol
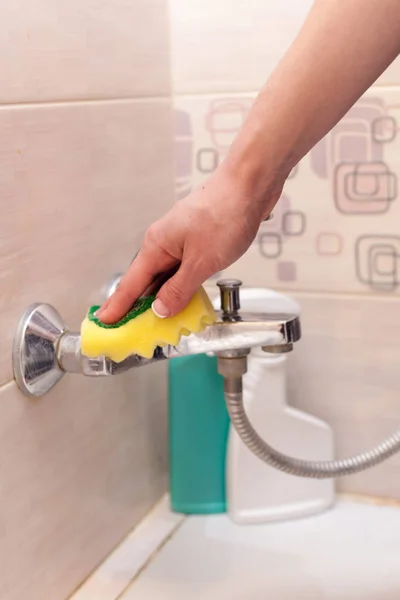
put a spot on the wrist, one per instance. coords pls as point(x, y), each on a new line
point(259, 168)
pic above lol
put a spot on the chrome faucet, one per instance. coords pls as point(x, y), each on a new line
point(44, 349)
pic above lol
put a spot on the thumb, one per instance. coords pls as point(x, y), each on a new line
point(177, 292)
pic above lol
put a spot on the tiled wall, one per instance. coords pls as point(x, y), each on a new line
point(334, 243)
point(85, 167)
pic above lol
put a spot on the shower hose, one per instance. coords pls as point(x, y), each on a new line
point(295, 466)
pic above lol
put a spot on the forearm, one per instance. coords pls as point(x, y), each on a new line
point(342, 48)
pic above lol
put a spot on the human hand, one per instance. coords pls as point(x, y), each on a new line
point(201, 235)
point(301, 102)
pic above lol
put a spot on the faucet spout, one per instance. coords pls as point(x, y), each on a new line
point(44, 349)
point(246, 331)
point(273, 332)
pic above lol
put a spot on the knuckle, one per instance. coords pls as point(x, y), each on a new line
point(122, 292)
point(203, 264)
point(174, 290)
point(151, 235)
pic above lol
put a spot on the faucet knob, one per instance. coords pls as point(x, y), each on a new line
point(230, 298)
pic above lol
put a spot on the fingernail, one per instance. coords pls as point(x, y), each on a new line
point(102, 308)
point(159, 309)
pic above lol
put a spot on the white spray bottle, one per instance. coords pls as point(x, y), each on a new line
point(256, 492)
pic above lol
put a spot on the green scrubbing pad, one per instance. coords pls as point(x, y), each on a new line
point(140, 306)
point(141, 331)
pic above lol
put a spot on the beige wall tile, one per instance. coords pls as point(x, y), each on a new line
point(78, 186)
point(245, 41)
point(345, 370)
point(79, 468)
point(335, 225)
point(56, 50)
point(79, 183)
point(392, 74)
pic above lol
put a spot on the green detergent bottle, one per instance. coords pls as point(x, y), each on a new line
point(198, 431)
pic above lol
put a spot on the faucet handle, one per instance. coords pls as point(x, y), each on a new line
point(230, 296)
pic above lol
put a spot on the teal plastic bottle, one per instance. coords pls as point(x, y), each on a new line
point(198, 432)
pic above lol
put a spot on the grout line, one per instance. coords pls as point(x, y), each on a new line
point(370, 500)
point(121, 554)
point(317, 293)
point(353, 498)
point(341, 295)
point(231, 94)
point(150, 559)
point(83, 101)
point(122, 541)
point(7, 384)
point(252, 92)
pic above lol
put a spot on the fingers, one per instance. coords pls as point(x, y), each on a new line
point(159, 281)
point(140, 275)
point(177, 292)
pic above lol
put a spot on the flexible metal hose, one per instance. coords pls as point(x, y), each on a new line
point(295, 466)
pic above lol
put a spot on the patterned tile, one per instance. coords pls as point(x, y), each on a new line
point(335, 223)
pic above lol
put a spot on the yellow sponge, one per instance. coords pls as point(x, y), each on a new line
point(140, 331)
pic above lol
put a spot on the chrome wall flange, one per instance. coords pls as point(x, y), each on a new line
point(34, 357)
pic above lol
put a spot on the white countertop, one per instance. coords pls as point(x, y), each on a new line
point(349, 553)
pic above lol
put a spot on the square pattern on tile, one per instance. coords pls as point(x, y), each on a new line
point(335, 224)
